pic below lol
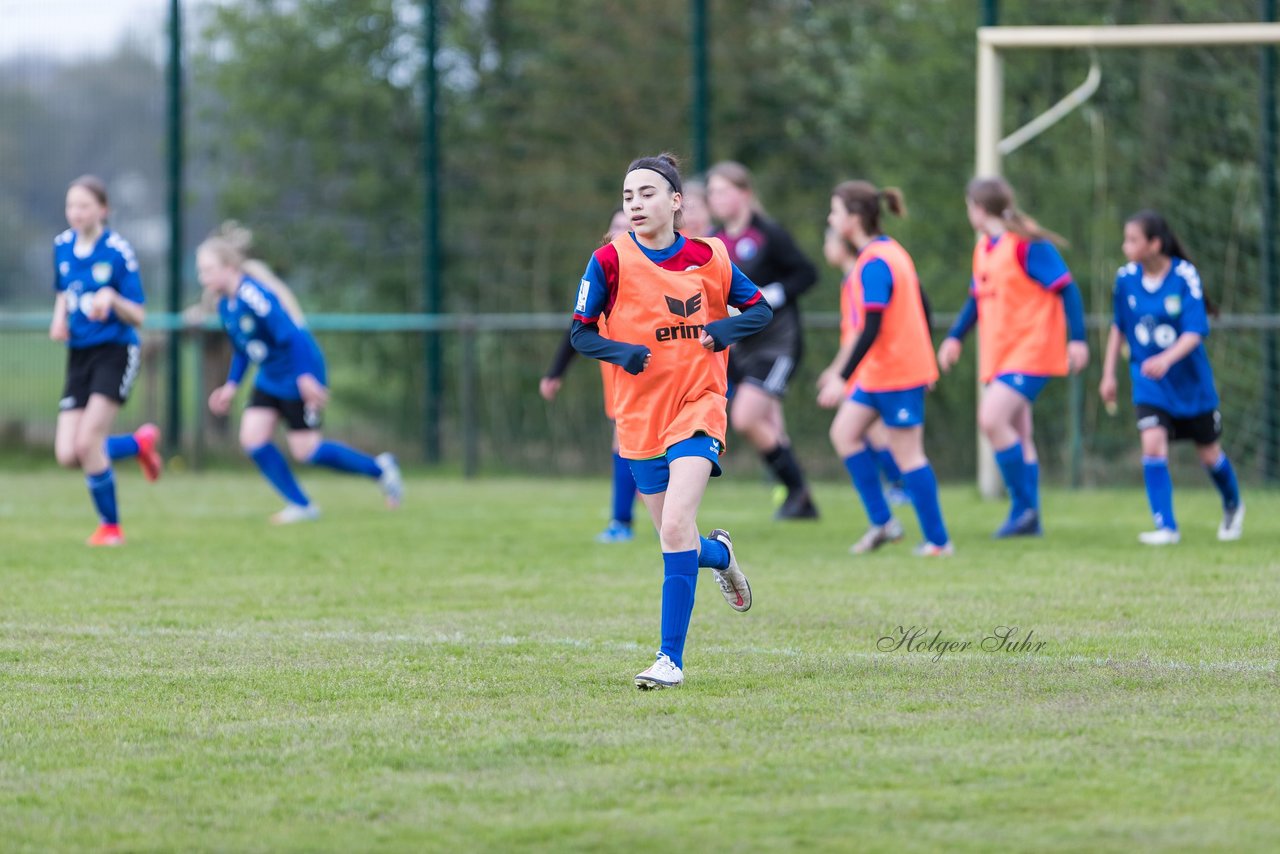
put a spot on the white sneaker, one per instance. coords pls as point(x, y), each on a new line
point(928, 549)
point(1232, 524)
point(293, 513)
point(1159, 537)
point(389, 481)
point(662, 674)
point(876, 536)
point(733, 584)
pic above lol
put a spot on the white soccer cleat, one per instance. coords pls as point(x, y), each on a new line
point(1159, 537)
point(733, 584)
point(294, 513)
point(389, 481)
point(876, 536)
point(928, 549)
point(1232, 524)
point(662, 674)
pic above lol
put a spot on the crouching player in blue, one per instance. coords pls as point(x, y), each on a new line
point(1160, 309)
point(290, 382)
point(97, 310)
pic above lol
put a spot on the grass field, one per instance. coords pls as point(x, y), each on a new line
point(457, 676)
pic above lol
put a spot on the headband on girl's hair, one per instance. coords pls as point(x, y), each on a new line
point(662, 168)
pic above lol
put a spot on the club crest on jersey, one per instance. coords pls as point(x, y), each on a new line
point(256, 351)
point(746, 248)
point(685, 308)
point(102, 272)
point(1173, 305)
point(64, 267)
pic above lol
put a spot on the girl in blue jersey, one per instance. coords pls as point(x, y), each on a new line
point(1160, 310)
point(290, 382)
point(97, 311)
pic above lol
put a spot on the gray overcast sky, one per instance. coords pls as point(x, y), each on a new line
point(70, 28)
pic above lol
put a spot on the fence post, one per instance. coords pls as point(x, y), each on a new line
point(1270, 272)
point(173, 414)
point(470, 441)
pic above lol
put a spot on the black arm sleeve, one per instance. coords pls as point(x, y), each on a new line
point(564, 355)
point(793, 270)
point(870, 331)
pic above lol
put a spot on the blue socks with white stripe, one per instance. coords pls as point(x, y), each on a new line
point(340, 457)
point(1155, 473)
point(1224, 477)
point(122, 446)
point(102, 489)
point(275, 468)
point(679, 583)
point(624, 490)
point(865, 475)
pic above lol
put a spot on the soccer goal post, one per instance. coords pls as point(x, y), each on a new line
point(996, 45)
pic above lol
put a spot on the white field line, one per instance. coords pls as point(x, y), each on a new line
point(350, 636)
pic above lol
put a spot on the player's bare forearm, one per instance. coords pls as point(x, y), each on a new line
point(1113, 353)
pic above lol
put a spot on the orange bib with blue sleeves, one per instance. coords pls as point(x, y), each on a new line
point(1022, 326)
point(682, 391)
point(902, 355)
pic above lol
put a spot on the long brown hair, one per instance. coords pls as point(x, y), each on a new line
point(739, 176)
point(96, 187)
point(995, 197)
point(864, 199)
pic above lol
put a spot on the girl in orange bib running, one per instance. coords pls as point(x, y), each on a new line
point(891, 367)
point(666, 298)
point(1026, 307)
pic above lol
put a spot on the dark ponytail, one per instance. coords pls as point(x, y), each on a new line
point(1156, 227)
point(864, 199)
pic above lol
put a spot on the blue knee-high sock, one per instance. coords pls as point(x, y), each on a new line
point(624, 489)
point(336, 455)
point(866, 480)
point(102, 489)
point(275, 468)
point(1224, 477)
point(679, 582)
point(922, 486)
point(888, 466)
point(1155, 472)
point(122, 446)
point(713, 553)
point(1014, 471)
point(1033, 484)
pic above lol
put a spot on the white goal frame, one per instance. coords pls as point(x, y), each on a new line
point(991, 147)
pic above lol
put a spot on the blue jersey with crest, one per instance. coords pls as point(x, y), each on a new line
point(111, 264)
point(262, 332)
point(1151, 318)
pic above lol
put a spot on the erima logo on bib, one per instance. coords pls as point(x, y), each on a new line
point(685, 308)
point(681, 308)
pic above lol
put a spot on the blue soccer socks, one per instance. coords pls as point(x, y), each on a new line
point(888, 466)
point(624, 490)
point(340, 457)
point(1033, 485)
point(122, 446)
point(1014, 471)
point(866, 480)
point(275, 468)
point(922, 486)
point(679, 583)
point(102, 489)
point(713, 554)
point(1155, 472)
point(1224, 477)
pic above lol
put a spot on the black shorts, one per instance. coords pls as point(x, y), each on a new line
point(1203, 429)
point(766, 369)
point(296, 414)
point(107, 369)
